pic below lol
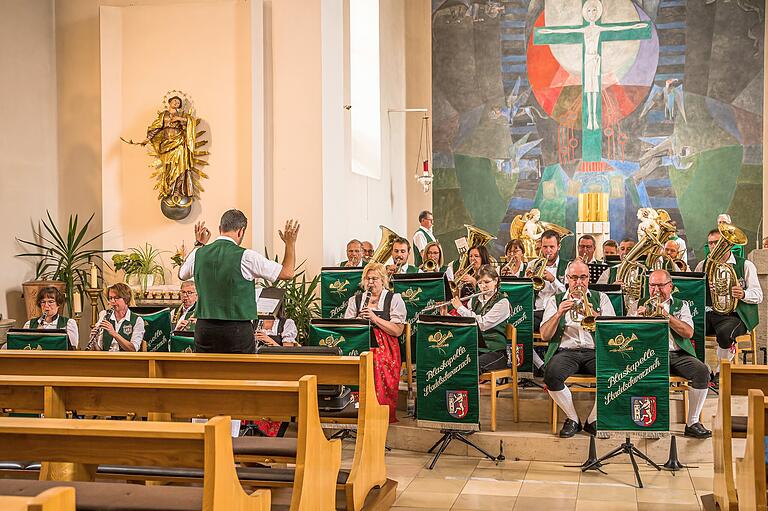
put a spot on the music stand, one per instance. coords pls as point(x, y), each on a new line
point(41, 338)
point(595, 270)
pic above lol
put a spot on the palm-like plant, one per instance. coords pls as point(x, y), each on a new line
point(65, 256)
point(141, 261)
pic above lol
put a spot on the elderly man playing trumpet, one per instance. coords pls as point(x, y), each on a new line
point(567, 325)
point(682, 356)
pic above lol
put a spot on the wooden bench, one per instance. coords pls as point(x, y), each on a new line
point(317, 459)
point(53, 499)
point(735, 380)
point(368, 469)
point(88, 443)
point(589, 384)
point(750, 470)
point(510, 374)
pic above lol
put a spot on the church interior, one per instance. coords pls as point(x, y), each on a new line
point(383, 254)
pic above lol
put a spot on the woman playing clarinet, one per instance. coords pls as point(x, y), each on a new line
point(386, 312)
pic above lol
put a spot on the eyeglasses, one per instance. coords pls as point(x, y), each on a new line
point(660, 285)
point(188, 293)
point(113, 298)
point(578, 277)
point(48, 302)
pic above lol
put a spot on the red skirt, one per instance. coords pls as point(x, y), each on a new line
point(386, 370)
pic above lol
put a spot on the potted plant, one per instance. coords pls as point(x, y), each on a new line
point(63, 257)
point(142, 262)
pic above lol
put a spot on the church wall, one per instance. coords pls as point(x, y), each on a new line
point(28, 177)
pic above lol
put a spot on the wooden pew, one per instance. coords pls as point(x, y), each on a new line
point(750, 470)
point(130, 442)
point(735, 380)
point(317, 459)
point(53, 499)
point(368, 468)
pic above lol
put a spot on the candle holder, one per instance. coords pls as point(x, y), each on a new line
point(93, 295)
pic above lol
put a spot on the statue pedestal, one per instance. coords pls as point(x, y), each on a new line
point(600, 230)
point(760, 258)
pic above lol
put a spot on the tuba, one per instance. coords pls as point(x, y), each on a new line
point(721, 277)
point(384, 250)
point(561, 231)
point(582, 307)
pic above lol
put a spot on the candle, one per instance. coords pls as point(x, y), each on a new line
point(94, 277)
point(76, 306)
point(426, 166)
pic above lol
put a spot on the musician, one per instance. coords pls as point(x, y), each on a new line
point(121, 330)
point(50, 300)
point(571, 348)
point(682, 355)
point(476, 257)
point(610, 248)
point(401, 249)
point(354, 254)
point(682, 247)
point(609, 275)
point(184, 315)
point(514, 267)
point(586, 248)
point(224, 274)
point(280, 331)
point(625, 246)
point(491, 310)
point(386, 312)
point(553, 275)
point(672, 251)
point(422, 236)
point(748, 293)
point(367, 251)
point(434, 252)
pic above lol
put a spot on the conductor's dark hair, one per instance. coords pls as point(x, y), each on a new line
point(233, 220)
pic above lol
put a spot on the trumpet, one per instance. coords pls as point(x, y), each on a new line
point(582, 307)
point(456, 285)
point(97, 335)
point(447, 302)
point(536, 272)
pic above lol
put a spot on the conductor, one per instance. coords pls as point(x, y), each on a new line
point(224, 273)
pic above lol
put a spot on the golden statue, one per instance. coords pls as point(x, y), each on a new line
point(173, 143)
point(527, 228)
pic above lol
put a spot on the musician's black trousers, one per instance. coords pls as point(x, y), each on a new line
point(221, 336)
point(689, 367)
point(538, 316)
point(492, 361)
point(726, 327)
point(566, 363)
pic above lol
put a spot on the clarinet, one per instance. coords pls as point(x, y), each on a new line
point(368, 294)
point(97, 336)
point(41, 322)
point(256, 327)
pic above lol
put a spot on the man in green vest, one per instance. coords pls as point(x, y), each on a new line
point(609, 275)
point(184, 317)
point(401, 249)
point(224, 273)
point(422, 236)
point(354, 254)
point(571, 348)
point(748, 294)
point(682, 355)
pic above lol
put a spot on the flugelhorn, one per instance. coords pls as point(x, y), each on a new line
point(653, 307)
point(582, 307)
point(429, 266)
point(536, 272)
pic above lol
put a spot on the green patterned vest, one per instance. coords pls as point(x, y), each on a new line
point(495, 338)
point(417, 260)
point(61, 323)
point(222, 291)
point(675, 304)
point(554, 343)
point(747, 312)
point(125, 331)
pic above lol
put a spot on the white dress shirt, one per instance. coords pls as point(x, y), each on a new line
point(550, 289)
point(575, 337)
point(72, 332)
point(137, 335)
point(252, 265)
point(419, 240)
point(684, 315)
point(499, 313)
point(290, 332)
point(397, 311)
point(753, 293)
point(183, 317)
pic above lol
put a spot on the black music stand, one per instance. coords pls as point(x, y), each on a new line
point(595, 270)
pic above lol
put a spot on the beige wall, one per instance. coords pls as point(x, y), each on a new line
point(28, 177)
point(142, 57)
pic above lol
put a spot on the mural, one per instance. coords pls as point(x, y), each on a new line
point(654, 103)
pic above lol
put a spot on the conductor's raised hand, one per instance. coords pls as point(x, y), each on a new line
point(202, 234)
point(291, 232)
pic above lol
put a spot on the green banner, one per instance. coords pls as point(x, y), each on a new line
point(632, 376)
point(182, 342)
point(447, 373)
point(353, 336)
point(418, 290)
point(157, 327)
point(337, 285)
point(692, 287)
point(37, 340)
point(521, 298)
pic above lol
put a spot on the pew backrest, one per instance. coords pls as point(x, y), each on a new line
point(750, 470)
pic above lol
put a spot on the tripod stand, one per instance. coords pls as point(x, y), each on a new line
point(451, 434)
point(626, 448)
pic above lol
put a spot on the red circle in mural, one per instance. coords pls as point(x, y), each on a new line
point(558, 91)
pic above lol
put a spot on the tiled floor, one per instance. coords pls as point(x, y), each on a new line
point(474, 484)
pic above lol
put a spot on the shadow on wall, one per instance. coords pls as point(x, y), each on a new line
point(16, 309)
